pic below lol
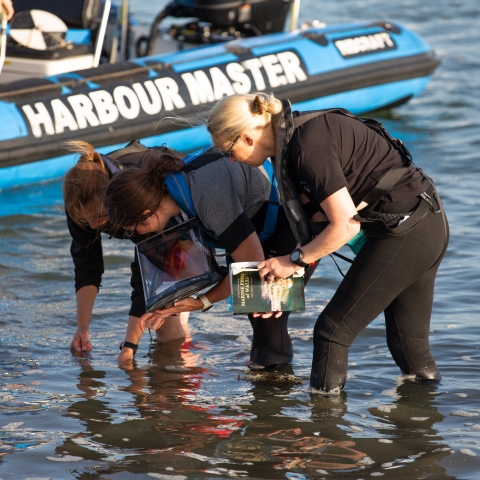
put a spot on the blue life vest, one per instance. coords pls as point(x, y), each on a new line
point(179, 190)
point(132, 154)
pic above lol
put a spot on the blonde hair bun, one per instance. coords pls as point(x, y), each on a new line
point(234, 114)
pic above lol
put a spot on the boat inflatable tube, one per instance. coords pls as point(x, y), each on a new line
point(359, 67)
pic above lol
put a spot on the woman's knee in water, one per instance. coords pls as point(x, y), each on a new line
point(330, 330)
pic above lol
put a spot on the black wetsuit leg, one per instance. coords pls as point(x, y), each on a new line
point(394, 275)
point(271, 344)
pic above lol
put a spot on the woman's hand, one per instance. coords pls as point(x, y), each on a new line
point(81, 342)
point(125, 358)
point(152, 320)
point(277, 267)
point(8, 7)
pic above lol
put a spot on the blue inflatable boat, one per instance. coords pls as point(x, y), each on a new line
point(361, 67)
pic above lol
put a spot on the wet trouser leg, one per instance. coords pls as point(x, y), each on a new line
point(394, 275)
point(271, 344)
point(410, 346)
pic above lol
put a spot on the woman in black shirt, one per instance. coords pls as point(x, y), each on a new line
point(335, 163)
point(83, 190)
point(232, 200)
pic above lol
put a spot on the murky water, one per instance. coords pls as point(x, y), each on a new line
point(192, 410)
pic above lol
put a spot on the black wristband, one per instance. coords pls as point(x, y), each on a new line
point(131, 345)
point(296, 257)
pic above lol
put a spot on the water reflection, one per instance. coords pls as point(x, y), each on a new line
point(158, 426)
point(275, 429)
point(325, 437)
point(409, 441)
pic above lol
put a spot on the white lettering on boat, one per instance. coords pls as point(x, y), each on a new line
point(281, 69)
point(364, 44)
point(273, 69)
point(130, 108)
point(255, 66)
point(199, 87)
point(107, 111)
point(83, 108)
point(152, 105)
point(40, 117)
point(241, 81)
point(168, 89)
point(291, 67)
point(63, 117)
point(221, 84)
point(101, 107)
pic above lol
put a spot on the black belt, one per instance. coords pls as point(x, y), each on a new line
point(382, 225)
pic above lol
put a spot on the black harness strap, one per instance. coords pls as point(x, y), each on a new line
point(343, 257)
point(133, 147)
point(336, 264)
point(385, 184)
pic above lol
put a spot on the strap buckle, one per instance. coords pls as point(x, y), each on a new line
point(425, 196)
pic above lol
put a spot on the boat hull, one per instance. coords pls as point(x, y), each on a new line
point(360, 67)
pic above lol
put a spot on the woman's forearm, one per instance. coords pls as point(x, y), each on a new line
point(85, 300)
point(330, 240)
point(219, 291)
point(340, 209)
point(250, 250)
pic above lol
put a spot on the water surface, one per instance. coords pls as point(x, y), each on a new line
point(192, 410)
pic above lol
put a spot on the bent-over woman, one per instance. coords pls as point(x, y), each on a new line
point(83, 192)
point(232, 202)
point(333, 164)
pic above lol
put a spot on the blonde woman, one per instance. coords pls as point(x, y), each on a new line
point(328, 164)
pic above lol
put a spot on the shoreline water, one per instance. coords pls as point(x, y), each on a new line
point(194, 411)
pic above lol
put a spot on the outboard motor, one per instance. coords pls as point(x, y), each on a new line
point(218, 21)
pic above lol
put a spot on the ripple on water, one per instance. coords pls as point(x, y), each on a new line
point(193, 409)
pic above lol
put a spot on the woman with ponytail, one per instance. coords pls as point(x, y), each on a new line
point(338, 174)
point(232, 202)
point(84, 188)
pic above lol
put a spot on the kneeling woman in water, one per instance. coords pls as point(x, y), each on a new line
point(331, 163)
point(231, 200)
point(83, 191)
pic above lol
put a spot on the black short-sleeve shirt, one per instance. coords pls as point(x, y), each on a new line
point(334, 151)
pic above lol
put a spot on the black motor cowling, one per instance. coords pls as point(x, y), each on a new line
point(262, 16)
point(218, 21)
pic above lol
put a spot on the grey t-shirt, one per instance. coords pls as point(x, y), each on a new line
point(228, 196)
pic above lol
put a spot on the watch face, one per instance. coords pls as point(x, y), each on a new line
point(295, 256)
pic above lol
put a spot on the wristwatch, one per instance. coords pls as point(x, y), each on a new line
point(296, 257)
point(206, 303)
point(131, 345)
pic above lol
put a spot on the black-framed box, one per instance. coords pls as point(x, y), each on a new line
point(175, 264)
